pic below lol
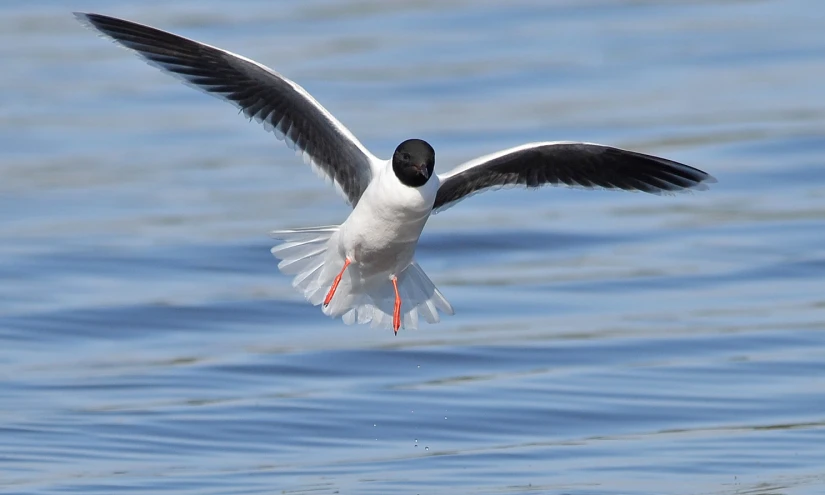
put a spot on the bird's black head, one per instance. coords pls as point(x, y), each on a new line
point(413, 162)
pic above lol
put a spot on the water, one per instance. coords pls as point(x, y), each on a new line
point(603, 342)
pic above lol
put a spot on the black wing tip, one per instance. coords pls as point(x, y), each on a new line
point(90, 18)
point(97, 22)
point(93, 17)
point(105, 23)
point(697, 180)
point(701, 179)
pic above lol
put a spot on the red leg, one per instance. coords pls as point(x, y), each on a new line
point(335, 283)
point(396, 313)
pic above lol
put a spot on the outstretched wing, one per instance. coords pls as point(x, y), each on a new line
point(261, 93)
point(568, 163)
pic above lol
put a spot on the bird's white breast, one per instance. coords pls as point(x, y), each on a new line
point(383, 230)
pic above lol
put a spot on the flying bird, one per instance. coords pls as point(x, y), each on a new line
point(364, 270)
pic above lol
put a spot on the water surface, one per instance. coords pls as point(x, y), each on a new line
point(603, 342)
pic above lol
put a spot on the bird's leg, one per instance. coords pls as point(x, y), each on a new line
point(396, 313)
point(335, 283)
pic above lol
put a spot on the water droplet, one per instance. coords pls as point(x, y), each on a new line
point(419, 366)
point(445, 418)
point(426, 448)
point(374, 425)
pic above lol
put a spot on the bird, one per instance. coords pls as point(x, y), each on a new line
point(364, 270)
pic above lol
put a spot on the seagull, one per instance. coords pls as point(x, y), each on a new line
point(364, 270)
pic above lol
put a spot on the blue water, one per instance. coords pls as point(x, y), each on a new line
point(603, 342)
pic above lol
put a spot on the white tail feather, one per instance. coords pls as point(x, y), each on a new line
point(358, 299)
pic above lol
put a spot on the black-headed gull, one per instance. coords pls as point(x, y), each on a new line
point(364, 270)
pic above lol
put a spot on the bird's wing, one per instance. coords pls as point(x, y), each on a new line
point(261, 93)
point(568, 163)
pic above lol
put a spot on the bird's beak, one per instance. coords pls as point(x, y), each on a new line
point(422, 169)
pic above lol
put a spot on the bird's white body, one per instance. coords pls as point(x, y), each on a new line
point(383, 230)
point(379, 238)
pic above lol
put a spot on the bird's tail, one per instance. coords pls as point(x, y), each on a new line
point(305, 254)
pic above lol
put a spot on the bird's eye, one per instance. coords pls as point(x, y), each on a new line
point(405, 156)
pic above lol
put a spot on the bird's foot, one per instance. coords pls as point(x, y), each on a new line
point(336, 282)
point(396, 313)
